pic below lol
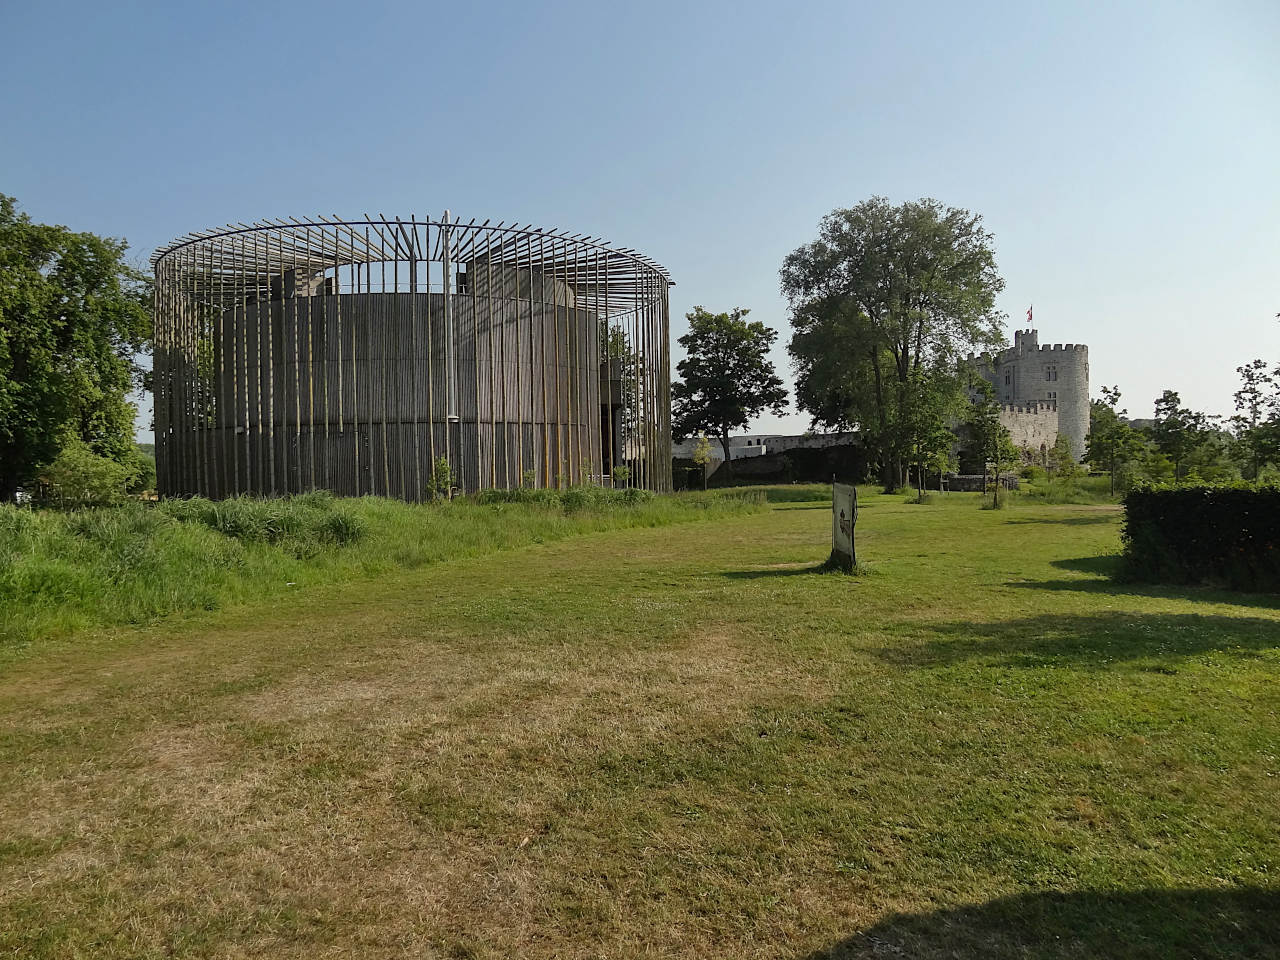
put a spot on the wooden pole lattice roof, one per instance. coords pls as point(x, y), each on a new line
point(222, 264)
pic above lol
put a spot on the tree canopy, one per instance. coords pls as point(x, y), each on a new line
point(73, 316)
point(988, 437)
point(886, 299)
point(1112, 443)
point(1179, 432)
point(1257, 417)
point(727, 379)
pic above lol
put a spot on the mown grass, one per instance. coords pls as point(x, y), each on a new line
point(684, 741)
point(62, 572)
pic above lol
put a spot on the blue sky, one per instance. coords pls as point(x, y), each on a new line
point(1125, 155)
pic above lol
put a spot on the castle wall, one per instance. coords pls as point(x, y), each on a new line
point(1032, 426)
point(1058, 374)
point(1073, 394)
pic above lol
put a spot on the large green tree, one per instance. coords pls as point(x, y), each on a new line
point(936, 404)
point(1257, 417)
point(726, 378)
point(1178, 431)
point(73, 317)
point(988, 437)
point(884, 295)
point(1112, 444)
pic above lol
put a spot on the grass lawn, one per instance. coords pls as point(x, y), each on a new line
point(681, 741)
point(62, 573)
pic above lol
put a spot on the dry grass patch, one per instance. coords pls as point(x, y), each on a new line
point(660, 743)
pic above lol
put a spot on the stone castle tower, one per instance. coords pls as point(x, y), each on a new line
point(1043, 391)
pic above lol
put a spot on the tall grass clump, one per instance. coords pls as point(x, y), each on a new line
point(1081, 488)
point(302, 524)
point(786, 493)
point(570, 499)
point(61, 572)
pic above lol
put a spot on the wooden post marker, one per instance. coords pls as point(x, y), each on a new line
point(844, 515)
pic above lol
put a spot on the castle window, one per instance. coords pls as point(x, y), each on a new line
point(1051, 373)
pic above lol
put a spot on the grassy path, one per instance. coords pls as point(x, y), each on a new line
point(678, 741)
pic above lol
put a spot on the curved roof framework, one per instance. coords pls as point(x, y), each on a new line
point(519, 355)
point(215, 264)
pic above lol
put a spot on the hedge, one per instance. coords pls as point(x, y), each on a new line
point(1221, 534)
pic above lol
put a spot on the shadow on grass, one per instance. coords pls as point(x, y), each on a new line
point(783, 571)
point(1107, 565)
point(1068, 521)
point(1105, 572)
point(1230, 923)
point(1097, 641)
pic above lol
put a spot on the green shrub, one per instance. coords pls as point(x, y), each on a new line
point(142, 471)
point(1222, 534)
point(440, 484)
point(79, 477)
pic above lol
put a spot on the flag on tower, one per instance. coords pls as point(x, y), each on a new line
point(1029, 309)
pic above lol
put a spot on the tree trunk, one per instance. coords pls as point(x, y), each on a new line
point(886, 468)
point(886, 475)
point(893, 473)
point(728, 462)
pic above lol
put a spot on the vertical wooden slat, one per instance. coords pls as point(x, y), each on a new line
point(159, 371)
point(231, 359)
point(517, 307)
point(432, 412)
point(378, 364)
point(574, 368)
point(414, 376)
point(241, 333)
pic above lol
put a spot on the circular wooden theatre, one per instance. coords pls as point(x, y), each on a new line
point(353, 356)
